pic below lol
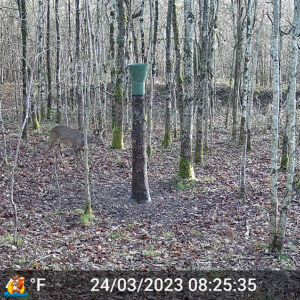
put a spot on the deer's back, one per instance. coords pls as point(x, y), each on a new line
point(67, 136)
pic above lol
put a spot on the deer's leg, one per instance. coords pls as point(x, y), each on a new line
point(52, 143)
point(78, 157)
point(58, 153)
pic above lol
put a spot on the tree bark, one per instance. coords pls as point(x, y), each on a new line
point(243, 135)
point(4, 152)
point(178, 72)
point(142, 31)
point(253, 85)
point(23, 19)
point(274, 171)
point(140, 186)
point(203, 94)
point(278, 242)
point(78, 69)
point(40, 69)
point(58, 46)
point(112, 57)
point(186, 170)
point(117, 134)
point(237, 70)
point(167, 139)
point(152, 80)
point(49, 75)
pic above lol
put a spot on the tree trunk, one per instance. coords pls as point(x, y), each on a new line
point(49, 77)
point(237, 70)
point(186, 169)
point(23, 18)
point(214, 7)
point(78, 69)
point(4, 152)
point(103, 57)
point(168, 135)
point(203, 99)
point(140, 187)
point(284, 151)
point(243, 135)
point(274, 172)
point(112, 57)
point(253, 85)
point(152, 79)
point(58, 84)
point(278, 242)
point(40, 71)
point(117, 134)
point(142, 31)
point(178, 72)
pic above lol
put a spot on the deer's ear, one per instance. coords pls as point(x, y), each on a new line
point(96, 132)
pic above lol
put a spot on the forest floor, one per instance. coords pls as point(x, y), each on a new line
point(188, 225)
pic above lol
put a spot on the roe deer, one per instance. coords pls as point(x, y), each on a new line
point(74, 138)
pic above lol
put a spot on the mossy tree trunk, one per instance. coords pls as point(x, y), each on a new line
point(284, 150)
point(127, 95)
point(167, 139)
point(186, 170)
point(117, 134)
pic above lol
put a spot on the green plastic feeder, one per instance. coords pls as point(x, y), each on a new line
point(138, 74)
